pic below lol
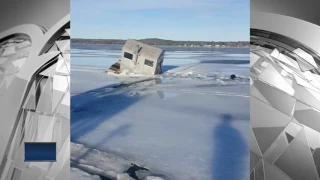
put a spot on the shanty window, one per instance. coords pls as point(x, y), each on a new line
point(128, 55)
point(148, 63)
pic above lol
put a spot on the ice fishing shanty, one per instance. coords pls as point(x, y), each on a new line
point(139, 58)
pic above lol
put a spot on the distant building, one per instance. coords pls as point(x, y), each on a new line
point(139, 58)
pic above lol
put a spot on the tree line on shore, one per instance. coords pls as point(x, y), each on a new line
point(155, 41)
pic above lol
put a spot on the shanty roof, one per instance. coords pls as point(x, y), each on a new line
point(146, 50)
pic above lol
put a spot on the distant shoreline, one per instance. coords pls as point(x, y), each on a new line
point(172, 45)
point(162, 42)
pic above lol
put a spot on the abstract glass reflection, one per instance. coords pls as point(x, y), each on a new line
point(285, 109)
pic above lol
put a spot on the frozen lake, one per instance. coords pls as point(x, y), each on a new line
point(105, 55)
point(191, 122)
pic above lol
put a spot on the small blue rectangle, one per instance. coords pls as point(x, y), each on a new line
point(42, 151)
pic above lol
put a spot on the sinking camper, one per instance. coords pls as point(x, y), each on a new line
point(138, 58)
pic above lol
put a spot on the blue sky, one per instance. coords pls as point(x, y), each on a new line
point(203, 20)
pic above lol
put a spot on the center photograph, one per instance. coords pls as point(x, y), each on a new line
point(160, 90)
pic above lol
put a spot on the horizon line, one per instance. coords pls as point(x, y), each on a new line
point(161, 39)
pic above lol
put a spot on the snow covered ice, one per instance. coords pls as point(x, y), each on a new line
point(81, 175)
point(191, 122)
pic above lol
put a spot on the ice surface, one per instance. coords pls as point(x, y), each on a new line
point(81, 175)
point(191, 122)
